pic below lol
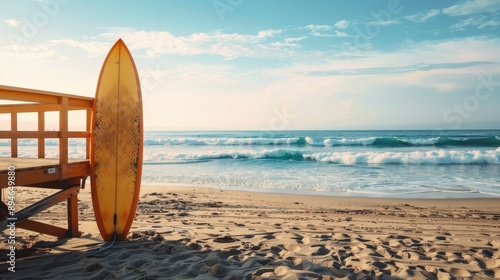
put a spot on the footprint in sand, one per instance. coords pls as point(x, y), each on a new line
point(460, 272)
point(292, 247)
point(495, 243)
point(492, 263)
point(306, 241)
point(342, 237)
point(394, 243)
point(225, 239)
point(385, 267)
point(93, 266)
point(124, 256)
point(386, 253)
point(442, 238)
point(322, 251)
point(413, 256)
point(486, 253)
point(269, 236)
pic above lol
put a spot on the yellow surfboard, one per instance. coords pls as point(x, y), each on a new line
point(117, 142)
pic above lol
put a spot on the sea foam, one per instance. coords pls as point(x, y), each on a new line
point(371, 157)
point(327, 141)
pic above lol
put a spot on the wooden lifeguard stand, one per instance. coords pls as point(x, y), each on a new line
point(63, 174)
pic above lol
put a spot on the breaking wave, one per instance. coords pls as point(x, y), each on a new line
point(433, 157)
point(328, 142)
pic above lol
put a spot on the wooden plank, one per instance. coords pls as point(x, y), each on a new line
point(78, 134)
point(82, 186)
point(89, 123)
point(26, 163)
point(41, 134)
point(41, 140)
point(77, 170)
point(63, 137)
point(58, 184)
point(17, 94)
point(34, 107)
point(29, 107)
point(47, 176)
point(72, 212)
point(42, 179)
point(41, 96)
point(45, 228)
point(41, 205)
point(23, 164)
point(29, 177)
point(13, 140)
point(29, 134)
point(78, 103)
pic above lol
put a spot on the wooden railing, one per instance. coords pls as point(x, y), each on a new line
point(40, 102)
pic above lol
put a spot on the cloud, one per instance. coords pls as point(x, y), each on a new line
point(151, 44)
point(294, 39)
point(318, 27)
point(473, 7)
point(319, 30)
point(157, 43)
point(387, 22)
point(28, 52)
point(423, 17)
point(341, 24)
point(464, 57)
point(418, 72)
point(340, 34)
point(319, 34)
point(12, 22)
point(93, 48)
point(269, 33)
point(477, 22)
point(399, 69)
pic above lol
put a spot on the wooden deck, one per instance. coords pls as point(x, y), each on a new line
point(62, 173)
point(41, 172)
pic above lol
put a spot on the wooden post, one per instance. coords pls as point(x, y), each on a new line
point(41, 140)
point(13, 140)
point(89, 123)
point(73, 215)
point(63, 137)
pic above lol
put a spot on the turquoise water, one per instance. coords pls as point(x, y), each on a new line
point(414, 164)
point(411, 164)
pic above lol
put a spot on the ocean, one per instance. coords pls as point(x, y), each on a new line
point(398, 163)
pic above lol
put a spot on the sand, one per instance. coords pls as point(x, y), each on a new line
point(186, 232)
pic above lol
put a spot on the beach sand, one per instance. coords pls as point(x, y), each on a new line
point(186, 232)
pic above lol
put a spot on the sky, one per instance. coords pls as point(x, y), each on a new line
point(270, 65)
